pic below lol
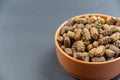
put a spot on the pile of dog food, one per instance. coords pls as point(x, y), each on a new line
point(91, 38)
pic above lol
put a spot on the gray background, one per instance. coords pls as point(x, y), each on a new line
point(27, 27)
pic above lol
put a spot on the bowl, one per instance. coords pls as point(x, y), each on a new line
point(87, 70)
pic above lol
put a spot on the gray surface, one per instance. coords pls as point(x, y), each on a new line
point(27, 28)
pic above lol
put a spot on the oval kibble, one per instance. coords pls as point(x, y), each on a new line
point(115, 36)
point(68, 51)
point(86, 34)
point(104, 40)
point(117, 43)
point(82, 56)
point(98, 59)
point(70, 34)
point(60, 39)
point(67, 41)
point(95, 44)
point(111, 20)
point(107, 32)
point(109, 53)
point(80, 46)
point(94, 33)
point(115, 49)
point(100, 50)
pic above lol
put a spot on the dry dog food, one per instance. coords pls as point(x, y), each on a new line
point(91, 38)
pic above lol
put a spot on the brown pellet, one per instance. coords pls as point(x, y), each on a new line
point(68, 51)
point(115, 36)
point(104, 40)
point(109, 53)
point(117, 43)
point(115, 49)
point(98, 59)
point(82, 56)
point(60, 39)
point(100, 50)
point(111, 20)
point(94, 33)
point(80, 46)
point(67, 42)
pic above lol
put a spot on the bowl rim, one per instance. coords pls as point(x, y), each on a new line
point(76, 60)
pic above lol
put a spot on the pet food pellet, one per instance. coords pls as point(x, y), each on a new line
point(92, 19)
point(67, 42)
point(77, 34)
point(100, 50)
point(80, 46)
point(80, 26)
point(107, 32)
point(115, 49)
point(98, 59)
point(106, 27)
point(82, 21)
point(62, 30)
point(68, 51)
point(91, 53)
point(117, 43)
point(94, 33)
point(104, 40)
point(97, 25)
point(115, 29)
point(86, 34)
point(70, 22)
point(89, 47)
point(70, 34)
point(102, 20)
point(82, 56)
point(69, 28)
point(95, 44)
point(109, 53)
point(64, 35)
point(111, 20)
point(88, 26)
point(115, 36)
point(60, 39)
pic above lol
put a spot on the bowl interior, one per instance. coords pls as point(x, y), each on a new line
point(76, 60)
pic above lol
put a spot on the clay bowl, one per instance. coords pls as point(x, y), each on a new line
point(87, 70)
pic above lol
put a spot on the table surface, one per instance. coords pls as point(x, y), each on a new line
point(27, 28)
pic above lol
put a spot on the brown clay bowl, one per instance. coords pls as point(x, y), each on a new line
point(87, 70)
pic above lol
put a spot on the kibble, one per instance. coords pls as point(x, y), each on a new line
point(91, 38)
point(109, 53)
point(86, 34)
point(68, 51)
point(80, 46)
point(115, 36)
point(67, 42)
point(98, 59)
point(94, 33)
point(82, 56)
point(104, 40)
point(100, 50)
